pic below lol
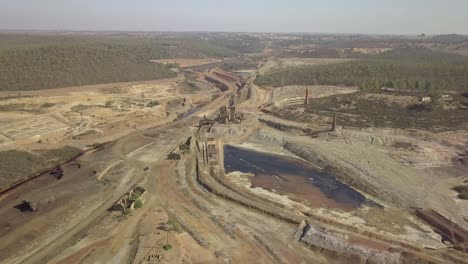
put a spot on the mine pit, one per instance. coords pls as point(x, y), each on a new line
point(294, 177)
point(231, 161)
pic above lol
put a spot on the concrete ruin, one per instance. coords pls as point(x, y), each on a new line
point(185, 147)
point(211, 152)
point(206, 124)
point(228, 115)
point(128, 200)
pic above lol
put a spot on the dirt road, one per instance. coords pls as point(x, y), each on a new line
point(82, 196)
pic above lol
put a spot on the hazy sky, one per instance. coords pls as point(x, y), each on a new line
point(332, 16)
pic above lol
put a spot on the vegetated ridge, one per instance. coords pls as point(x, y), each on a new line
point(401, 69)
point(58, 66)
point(33, 62)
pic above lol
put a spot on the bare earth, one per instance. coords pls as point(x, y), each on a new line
point(205, 215)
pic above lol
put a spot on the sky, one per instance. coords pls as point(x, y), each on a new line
point(314, 16)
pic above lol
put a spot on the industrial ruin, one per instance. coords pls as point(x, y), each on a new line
point(129, 199)
point(228, 115)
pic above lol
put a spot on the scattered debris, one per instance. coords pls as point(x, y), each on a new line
point(27, 206)
point(57, 173)
point(223, 257)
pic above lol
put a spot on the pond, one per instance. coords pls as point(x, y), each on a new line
point(294, 177)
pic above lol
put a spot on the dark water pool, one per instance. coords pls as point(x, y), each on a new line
point(292, 176)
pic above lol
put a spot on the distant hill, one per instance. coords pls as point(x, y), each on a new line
point(62, 66)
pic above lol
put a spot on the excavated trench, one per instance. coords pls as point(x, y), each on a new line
point(295, 177)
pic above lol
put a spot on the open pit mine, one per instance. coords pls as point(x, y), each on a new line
point(222, 170)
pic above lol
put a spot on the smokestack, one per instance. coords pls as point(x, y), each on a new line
point(206, 153)
point(306, 101)
point(334, 123)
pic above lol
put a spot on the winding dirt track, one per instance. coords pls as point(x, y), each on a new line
point(218, 217)
point(69, 206)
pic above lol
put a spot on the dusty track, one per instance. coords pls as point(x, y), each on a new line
point(220, 222)
point(70, 210)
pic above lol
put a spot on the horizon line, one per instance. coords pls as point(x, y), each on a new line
point(6, 30)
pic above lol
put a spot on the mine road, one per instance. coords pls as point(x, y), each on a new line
point(72, 204)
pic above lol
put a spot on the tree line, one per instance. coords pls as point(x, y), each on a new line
point(63, 66)
point(31, 62)
point(413, 72)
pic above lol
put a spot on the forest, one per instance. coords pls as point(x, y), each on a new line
point(59, 66)
point(412, 70)
point(32, 62)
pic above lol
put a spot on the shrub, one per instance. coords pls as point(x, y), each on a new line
point(167, 247)
point(108, 103)
point(153, 104)
point(48, 105)
point(462, 191)
point(138, 204)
